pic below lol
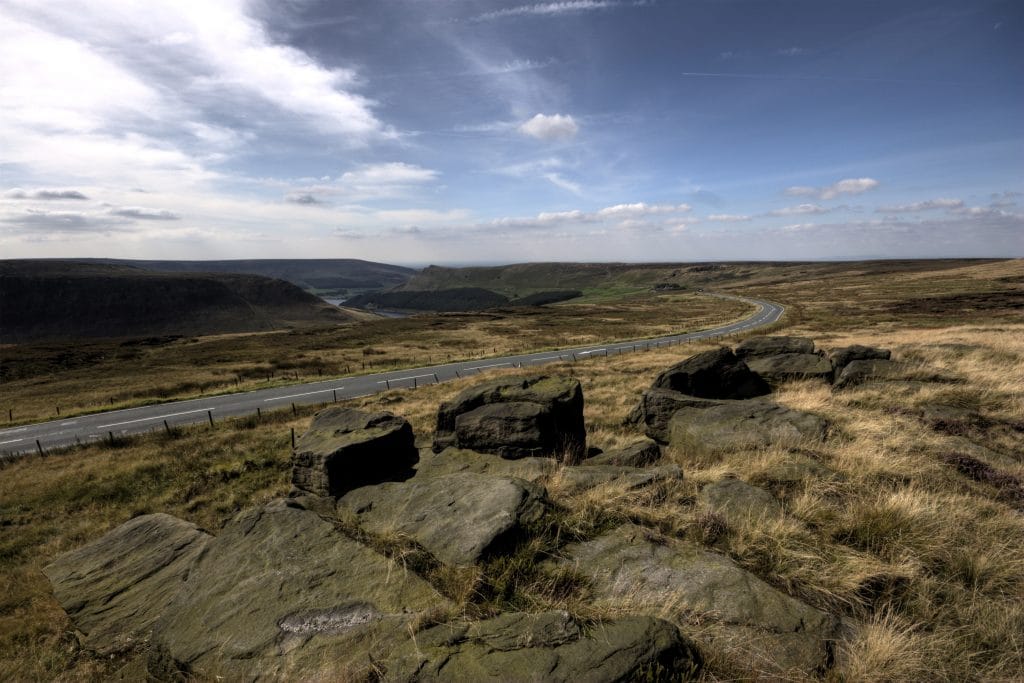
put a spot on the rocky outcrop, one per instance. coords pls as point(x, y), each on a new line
point(656, 408)
point(344, 449)
point(638, 454)
point(633, 569)
point(116, 587)
point(716, 374)
point(280, 594)
point(844, 355)
point(789, 366)
point(755, 347)
point(458, 518)
point(859, 371)
point(742, 424)
point(737, 501)
point(516, 418)
point(548, 646)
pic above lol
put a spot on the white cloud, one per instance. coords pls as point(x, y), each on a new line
point(641, 209)
point(850, 186)
point(793, 51)
point(927, 205)
point(798, 210)
point(393, 173)
point(557, 180)
point(142, 213)
point(550, 127)
point(728, 218)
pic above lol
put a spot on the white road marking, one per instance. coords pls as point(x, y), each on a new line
point(155, 417)
point(308, 393)
point(534, 360)
point(493, 365)
point(584, 353)
point(11, 441)
point(403, 379)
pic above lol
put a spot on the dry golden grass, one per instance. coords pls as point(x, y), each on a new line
point(924, 562)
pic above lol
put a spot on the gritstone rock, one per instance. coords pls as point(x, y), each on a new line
point(842, 356)
point(737, 501)
point(281, 594)
point(516, 418)
point(549, 646)
point(639, 454)
point(656, 408)
point(458, 518)
point(789, 366)
point(741, 616)
point(773, 346)
point(713, 374)
point(117, 586)
point(742, 424)
point(346, 448)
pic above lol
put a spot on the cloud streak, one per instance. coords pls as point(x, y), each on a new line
point(850, 186)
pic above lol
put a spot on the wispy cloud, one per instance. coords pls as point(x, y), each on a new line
point(547, 9)
point(793, 51)
point(18, 193)
point(144, 214)
point(927, 205)
point(728, 218)
point(851, 186)
point(800, 209)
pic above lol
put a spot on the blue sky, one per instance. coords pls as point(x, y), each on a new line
point(447, 131)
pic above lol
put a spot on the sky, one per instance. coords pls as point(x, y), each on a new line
point(475, 131)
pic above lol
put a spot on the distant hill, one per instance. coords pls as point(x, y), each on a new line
point(323, 275)
point(49, 299)
point(443, 300)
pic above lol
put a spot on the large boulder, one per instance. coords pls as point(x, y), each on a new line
point(345, 448)
point(656, 408)
point(638, 454)
point(116, 587)
point(788, 366)
point(716, 374)
point(280, 594)
point(515, 418)
point(844, 355)
point(773, 346)
point(737, 501)
point(756, 627)
point(860, 371)
point(458, 518)
point(742, 424)
point(548, 646)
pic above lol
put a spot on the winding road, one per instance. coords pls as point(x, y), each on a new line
point(94, 427)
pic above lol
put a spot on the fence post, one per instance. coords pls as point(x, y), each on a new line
point(295, 410)
point(167, 427)
point(335, 392)
point(40, 447)
point(436, 380)
point(259, 415)
point(293, 438)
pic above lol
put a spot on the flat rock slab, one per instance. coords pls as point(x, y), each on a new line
point(576, 479)
point(548, 646)
point(789, 366)
point(742, 424)
point(713, 374)
point(545, 418)
point(458, 518)
point(346, 448)
point(844, 355)
point(736, 501)
point(860, 371)
point(633, 569)
point(639, 454)
point(116, 587)
point(280, 594)
point(656, 408)
point(773, 346)
point(452, 460)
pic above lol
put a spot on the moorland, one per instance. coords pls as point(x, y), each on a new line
point(905, 522)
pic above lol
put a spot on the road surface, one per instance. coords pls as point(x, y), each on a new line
point(97, 426)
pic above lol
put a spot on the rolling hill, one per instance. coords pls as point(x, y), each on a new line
point(49, 299)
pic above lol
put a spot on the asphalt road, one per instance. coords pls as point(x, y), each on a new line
point(97, 426)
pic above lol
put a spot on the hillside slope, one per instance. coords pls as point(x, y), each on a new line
point(63, 299)
point(310, 274)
